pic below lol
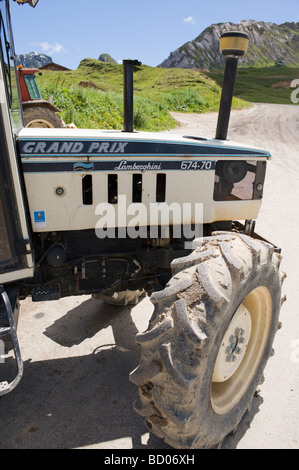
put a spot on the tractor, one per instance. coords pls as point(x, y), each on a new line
point(118, 214)
point(36, 111)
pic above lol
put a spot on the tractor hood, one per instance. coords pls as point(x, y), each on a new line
point(95, 142)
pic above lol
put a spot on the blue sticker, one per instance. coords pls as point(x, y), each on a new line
point(39, 216)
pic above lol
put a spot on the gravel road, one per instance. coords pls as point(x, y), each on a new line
point(78, 352)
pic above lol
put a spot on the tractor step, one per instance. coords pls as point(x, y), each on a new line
point(4, 331)
point(8, 313)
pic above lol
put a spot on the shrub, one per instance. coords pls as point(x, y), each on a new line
point(94, 109)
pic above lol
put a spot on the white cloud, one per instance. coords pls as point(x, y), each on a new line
point(189, 20)
point(50, 48)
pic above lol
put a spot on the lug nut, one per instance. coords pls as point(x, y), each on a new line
point(231, 358)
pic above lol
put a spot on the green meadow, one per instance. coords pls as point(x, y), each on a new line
point(92, 95)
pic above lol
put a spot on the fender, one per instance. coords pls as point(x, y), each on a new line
point(43, 103)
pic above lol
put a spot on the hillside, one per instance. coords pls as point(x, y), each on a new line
point(263, 84)
point(92, 95)
point(269, 44)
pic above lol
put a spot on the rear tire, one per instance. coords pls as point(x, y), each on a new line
point(40, 116)
point(209, 340)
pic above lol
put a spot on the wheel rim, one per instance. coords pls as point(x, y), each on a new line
point(233, 346)
point(241, 350)
point(39, 123)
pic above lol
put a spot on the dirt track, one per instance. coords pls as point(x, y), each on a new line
point(78, 352)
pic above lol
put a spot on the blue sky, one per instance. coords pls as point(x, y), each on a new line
point(71, 30)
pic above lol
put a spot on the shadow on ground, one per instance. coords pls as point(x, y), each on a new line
point(84, 400)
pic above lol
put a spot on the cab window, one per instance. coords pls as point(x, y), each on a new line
point(10, 78)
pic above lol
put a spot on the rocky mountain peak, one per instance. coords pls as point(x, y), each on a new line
point(33, 60)
point(269, 43)
point(107, 58)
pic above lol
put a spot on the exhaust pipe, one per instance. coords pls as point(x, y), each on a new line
point(128, 67)
point(233, 45)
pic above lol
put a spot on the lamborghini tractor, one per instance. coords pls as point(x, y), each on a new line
point(116, 214)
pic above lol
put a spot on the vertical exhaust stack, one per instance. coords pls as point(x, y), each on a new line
point(128, 66)
point(233, 45)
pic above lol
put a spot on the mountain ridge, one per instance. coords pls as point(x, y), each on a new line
point(269, 44)
point(33, 60)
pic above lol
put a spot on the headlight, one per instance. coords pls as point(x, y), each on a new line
point(232, 171)
point(239, 180)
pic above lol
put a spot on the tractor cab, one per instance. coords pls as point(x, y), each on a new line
point(28, 87)
point(16, 258)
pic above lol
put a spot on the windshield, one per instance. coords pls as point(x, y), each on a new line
point(32, 88)
point(8, 67)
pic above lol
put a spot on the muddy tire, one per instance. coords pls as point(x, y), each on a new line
point(209, 340)
point(40, 116)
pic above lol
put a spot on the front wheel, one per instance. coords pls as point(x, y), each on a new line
point(209, 340)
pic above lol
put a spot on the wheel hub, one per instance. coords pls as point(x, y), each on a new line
point(233, 346)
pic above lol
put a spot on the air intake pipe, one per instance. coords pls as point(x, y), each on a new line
point(233, 45)
point(128, 69)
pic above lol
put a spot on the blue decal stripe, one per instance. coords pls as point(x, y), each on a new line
point(120, 166)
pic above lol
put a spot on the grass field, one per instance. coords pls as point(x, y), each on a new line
point(92, 95)
point(263, 84)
